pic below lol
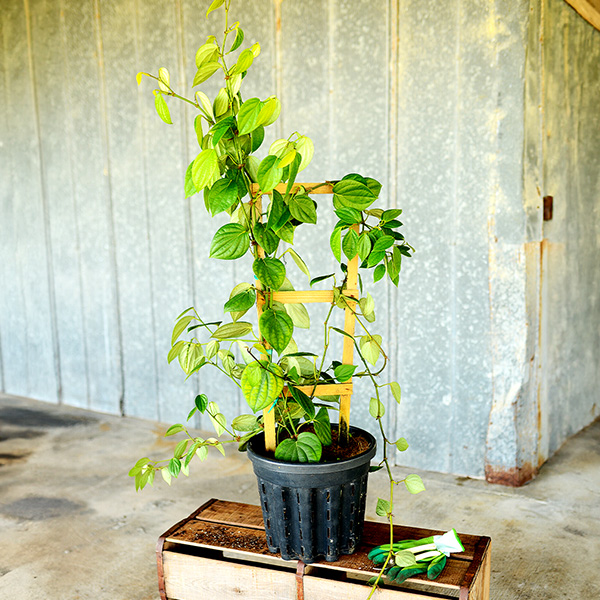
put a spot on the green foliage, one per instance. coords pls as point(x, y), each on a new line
point(306, 448)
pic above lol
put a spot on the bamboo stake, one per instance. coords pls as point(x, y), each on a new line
point(348, 349)
point(269, 412)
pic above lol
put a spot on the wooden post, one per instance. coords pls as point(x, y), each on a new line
point(269, 412)
point(348, 350)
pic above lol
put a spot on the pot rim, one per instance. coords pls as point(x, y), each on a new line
point(323, 467)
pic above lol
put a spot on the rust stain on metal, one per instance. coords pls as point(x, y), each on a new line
point(513, 476)
point(548, 202)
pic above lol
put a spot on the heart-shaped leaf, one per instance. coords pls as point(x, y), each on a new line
point(307, 448)
point(277, 328)
point(260, 385)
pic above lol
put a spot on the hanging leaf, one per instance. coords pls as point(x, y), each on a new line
point(378, 273)
point(232, 331)
point(163, 79)
point(370, 348)
point(402, 445)
point(260, 385)
point(353, 194)
point(230, 242)
point(214, 5)
point(344, 372)
point(267, 239)
point(349, 216)
point(221, 103)
point(201, 402)
point(269, 174)
point(237, 42)
point(376, 408)
point(222, 195)
point(245, 423)
point(303, 400)
point(217, 418)
point(241, 302)
point(335, 242)
point(306, 149)
point(307, 448)
point(203, 100)
point(383, 243)
point(303, 209)
point(383, 507)
point(277, 328)
point(248, 116)
point(205, 169)
point(322, 426)
point(270, 272)
point(364, 245)
point(299, 315)
point(206, 71)
point(161, 108)
point(350, 244)
point(244, 61)
point(396, 391)
point(414, 484)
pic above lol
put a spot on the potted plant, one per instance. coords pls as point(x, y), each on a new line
point(312, 472)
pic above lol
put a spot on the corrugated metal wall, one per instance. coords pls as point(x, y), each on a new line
point(99, 251)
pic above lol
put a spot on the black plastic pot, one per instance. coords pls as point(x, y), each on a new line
point(312, 510)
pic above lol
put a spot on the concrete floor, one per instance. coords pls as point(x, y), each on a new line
point(73, 527)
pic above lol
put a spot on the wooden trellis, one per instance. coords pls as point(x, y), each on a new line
point(314, 296)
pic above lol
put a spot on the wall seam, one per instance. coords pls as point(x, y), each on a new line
point(45, 208)
point(109, 196)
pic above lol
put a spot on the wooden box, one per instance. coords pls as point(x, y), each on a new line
point(220, 551)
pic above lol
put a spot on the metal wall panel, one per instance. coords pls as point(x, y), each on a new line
point(99, 250)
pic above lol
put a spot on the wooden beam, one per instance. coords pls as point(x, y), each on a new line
point(588, 9)
point(308, 296)
point(323, 389)
point(311, 188)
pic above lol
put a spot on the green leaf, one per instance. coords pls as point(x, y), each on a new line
point(374, 258)
point(201, 402)
point(217, 418)
point(414, 484)
point(303, 209)
point(222, 195)
point(349, 216)
point(265, 238)
point(344, 372)
point(180, 327)
point(376, 408)
point(303, 400)
point(390, 214)
point(396, 391)
point(237, 42)
point(174, 466)
point(202, 453)
point(245, 423)
point(189, 187)
point(191, 357)
point(277, 328)
point(177, 428)
point(206, 71)
point(270, 272)
point(322, 426)
point(230, 242)
point(162, 109)
point(244, 61)
point(367, 307)
point(299, 262)
point(242, 301)
point(402, 444)
point(175, 350)
point(214, 5)
point(378, 273)
point(260, 385)
point(383, 507)
point(350, 244)
point(353, 194)
point(232, 331)
point(364, 245)
point(383, 243)
point(269, 174)
point(180, 448)
point(166, 475)
point(299, 315)
point(307, 448)
point(320, 278)
point(205, 169)
point(335, 241)
point(206, 53)
point(248, 116)
point(279, 213)
point(370, 348)
point(405, 558)
point(221, 106)
point(306, 148)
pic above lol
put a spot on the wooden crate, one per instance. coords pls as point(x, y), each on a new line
point(220, 551)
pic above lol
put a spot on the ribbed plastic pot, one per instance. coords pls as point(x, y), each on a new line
point(313, 510)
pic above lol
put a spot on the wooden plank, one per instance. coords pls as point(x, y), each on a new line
point(311, 188)
point(233, 513)
point(247, 542)
point(324, 389)
point(198, 578)
point(476, 572)
point(250, 515)
point(589, 10)
point(319, 588)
